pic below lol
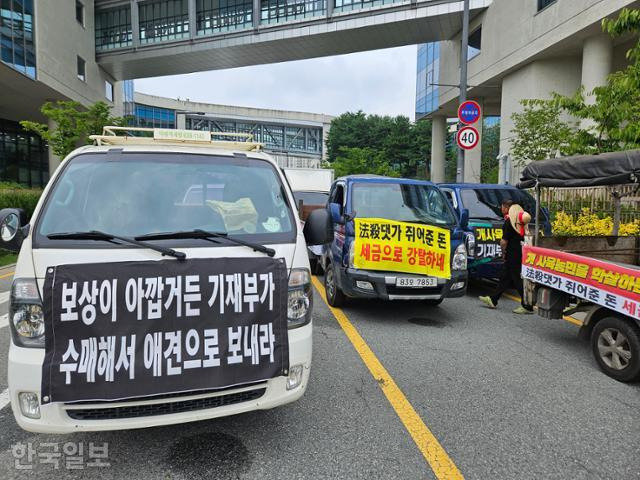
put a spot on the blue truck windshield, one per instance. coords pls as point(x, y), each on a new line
point(402, 202)
point(485, 203)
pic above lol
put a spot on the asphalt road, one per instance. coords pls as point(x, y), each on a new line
point(506, 397)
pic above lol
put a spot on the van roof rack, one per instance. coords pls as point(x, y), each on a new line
point(169, 136)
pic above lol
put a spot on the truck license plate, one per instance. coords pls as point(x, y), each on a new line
point(412, 282)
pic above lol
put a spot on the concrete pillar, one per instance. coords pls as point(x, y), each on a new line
point(597, 64)
point(438, 148)
point(473, 158)
point(135, 24)
point(256, 13)
point(54, 160)
point(181, 121)
point(191, 6)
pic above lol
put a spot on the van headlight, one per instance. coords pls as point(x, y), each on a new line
point(459, 258)
point(300, 298)
point(26, 316)
point(470, 241)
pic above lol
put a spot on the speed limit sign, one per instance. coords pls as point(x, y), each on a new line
point(468, 138)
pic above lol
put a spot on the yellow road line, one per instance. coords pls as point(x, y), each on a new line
point(575, 321)
point(10, 274)
point(442, 466)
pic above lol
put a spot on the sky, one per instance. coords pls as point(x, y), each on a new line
point(380, 81)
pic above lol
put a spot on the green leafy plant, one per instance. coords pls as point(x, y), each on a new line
point(73, 124)
point(356, 160)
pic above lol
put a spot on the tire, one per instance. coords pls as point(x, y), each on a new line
point(335, 297)
point(434, 303)
point(615, 343)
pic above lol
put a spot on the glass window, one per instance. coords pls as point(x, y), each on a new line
point(484, 203)
point(82, 74)
point(276, 11)
point(108, 90)
point(405, 202)
point(162, 192)
point(80, 12)
point(154, 117)
point(16, 36)
point(23, 156)
point(544, 3)
point(163, 20)
point(475, 44)
point(348, 5)
point(215, 16)
point(113, 28)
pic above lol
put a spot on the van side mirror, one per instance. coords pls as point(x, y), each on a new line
point(464, 219)
point(11, 222)
point(335, 211)
point(317, 229)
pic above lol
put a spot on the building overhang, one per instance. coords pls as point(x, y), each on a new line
point(385, 26)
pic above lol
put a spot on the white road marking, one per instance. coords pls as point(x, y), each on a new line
point(4, 320)
point(5, 399)
point(4, 297)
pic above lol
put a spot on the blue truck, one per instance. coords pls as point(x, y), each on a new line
point(482, 202)
point(404, 205)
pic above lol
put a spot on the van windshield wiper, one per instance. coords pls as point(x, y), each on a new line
point(107, 237)
point(210, 236)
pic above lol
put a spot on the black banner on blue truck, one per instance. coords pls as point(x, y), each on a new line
point(133, 329)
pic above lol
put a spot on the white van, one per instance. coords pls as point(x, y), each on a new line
point(132, 307)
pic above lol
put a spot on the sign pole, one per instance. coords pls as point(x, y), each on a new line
point(463, 83)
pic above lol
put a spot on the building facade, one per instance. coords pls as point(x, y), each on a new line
point(295, 139)
point(517, 50)
point(47, 53)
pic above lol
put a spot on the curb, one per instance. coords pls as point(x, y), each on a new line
point(7, 269)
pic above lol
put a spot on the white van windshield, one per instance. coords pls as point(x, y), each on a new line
point(135, 194)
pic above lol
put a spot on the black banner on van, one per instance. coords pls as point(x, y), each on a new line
point(133, 329)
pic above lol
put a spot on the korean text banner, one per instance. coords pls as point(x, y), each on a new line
point(606, 284)
point(402, 247)
point(133, 329)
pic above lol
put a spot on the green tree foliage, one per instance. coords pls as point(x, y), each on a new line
point(356, 160)
point(538, 132)
point(490, 152)
point(609, 115)
point(405, 146)
point(74, 124)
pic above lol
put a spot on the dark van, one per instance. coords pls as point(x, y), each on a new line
point(483, 202)
point(394, 239)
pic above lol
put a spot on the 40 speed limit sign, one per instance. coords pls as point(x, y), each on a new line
point(468, 138)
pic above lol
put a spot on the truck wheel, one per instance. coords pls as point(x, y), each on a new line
point(335, 297)
point(615, 343)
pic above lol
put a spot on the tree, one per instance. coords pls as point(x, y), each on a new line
point(73, 123)
point(357, 160)
point(490, 151)
point(406, 146)
point(538, 132)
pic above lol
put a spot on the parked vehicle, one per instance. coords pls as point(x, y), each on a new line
point(486, 221)
point(311, 190)
point(139, 299)
point(394, 239)
point(597, 276)
point(309, 179)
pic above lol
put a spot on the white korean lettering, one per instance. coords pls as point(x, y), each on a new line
point(153, 353)
point(173, 351)
point(192, 294)
point(69, 296)
point(67, 368)
point(126, 359)
point(211, 348)
point(88, 358)
point(106, 357)
point(192, 345)
point(235, 345)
